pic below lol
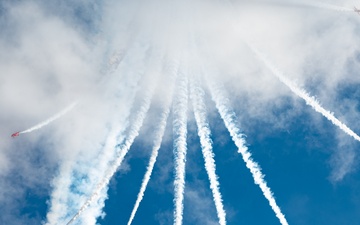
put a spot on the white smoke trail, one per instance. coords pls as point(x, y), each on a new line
point(78, 178)
point(197, 96)
point(229, 117)
point(180, 148)
point(51, 119)
point(64, 200)
point(123, 150)
point(157, 143)
point(310, 100)
point(120, 157)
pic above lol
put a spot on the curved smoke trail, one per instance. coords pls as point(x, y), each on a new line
point(180, 148)
point(229, 117)
point(197, 97)
point(310, 100)
point(51, 119)
point(157, 143)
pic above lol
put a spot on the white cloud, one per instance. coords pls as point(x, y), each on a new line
point(48, 60)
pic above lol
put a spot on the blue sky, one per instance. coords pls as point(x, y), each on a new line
point(112, 56)
point(296, 164)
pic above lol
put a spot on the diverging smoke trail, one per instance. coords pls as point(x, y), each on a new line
point(197, 97)
point(157, 143)
point(155, 150)
point(180, 147)
point(310, 100)
point(229, 117)
point(123, 150)
point(51, 119)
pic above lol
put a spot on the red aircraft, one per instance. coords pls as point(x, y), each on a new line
point(15, 134)
point(357, 10)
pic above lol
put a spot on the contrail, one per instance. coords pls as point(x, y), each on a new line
point(51, 119)
point(157, 143)
point(197, 96)
point(310, 100)
point(123, 150)
point(229, 117)
point(180, 134)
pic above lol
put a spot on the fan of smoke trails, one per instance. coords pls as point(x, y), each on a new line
point(157, 143)
point(229, 117)
point(132, 134)
point(61, 195)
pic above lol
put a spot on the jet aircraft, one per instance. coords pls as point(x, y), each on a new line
point(15, 134)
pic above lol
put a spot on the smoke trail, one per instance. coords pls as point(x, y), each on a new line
point(229, 117)
point(310, 100)
point(51, 119)
point(157, 143)
point(78, 179)
point(120, 157)
point(180, 133)
point(123, 150)
point(197, 96)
